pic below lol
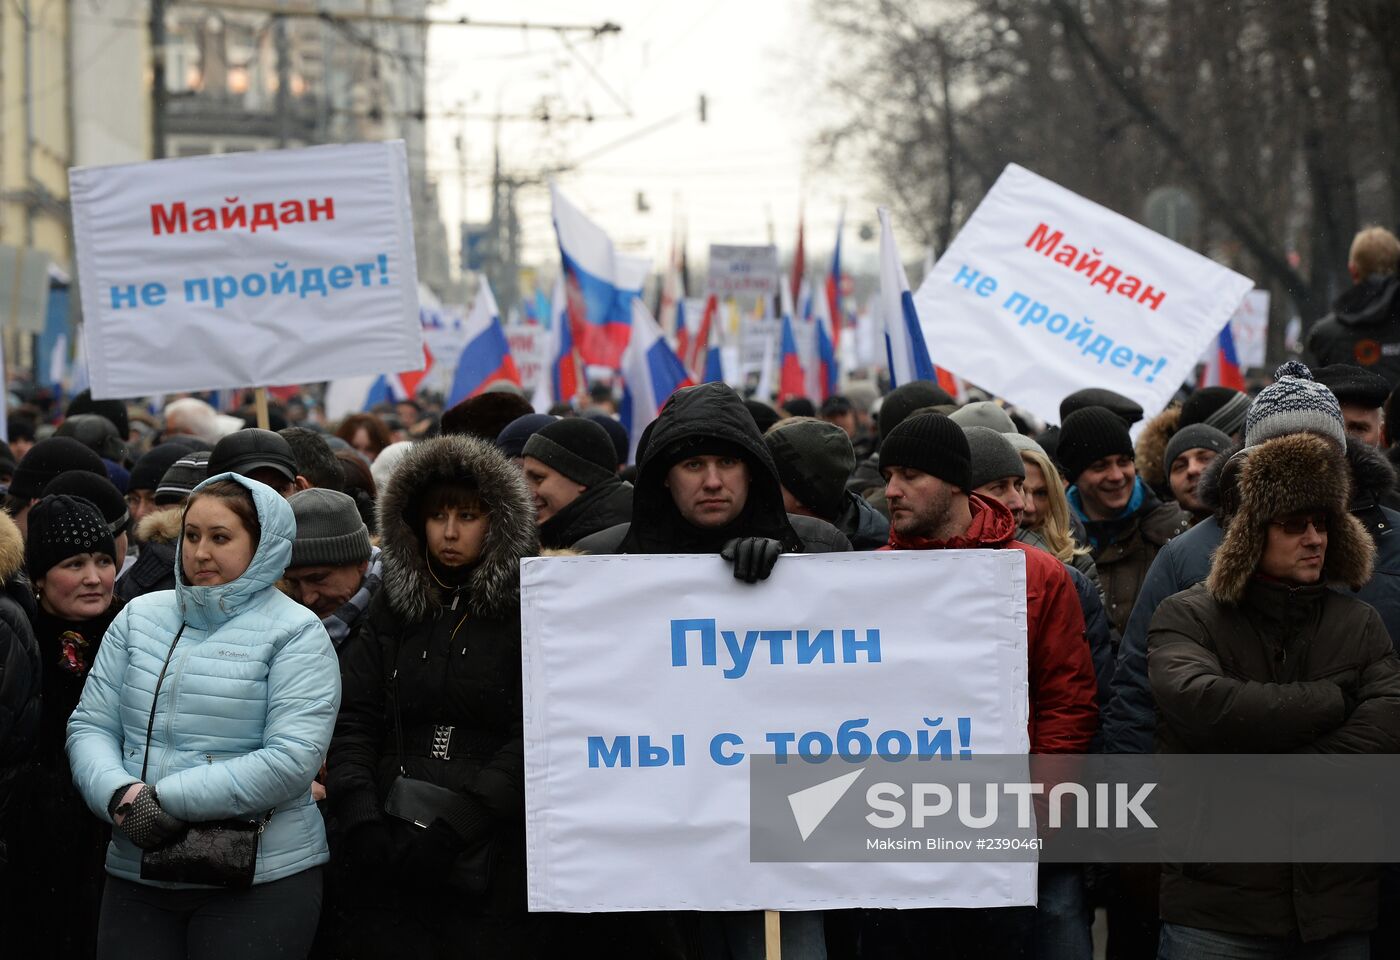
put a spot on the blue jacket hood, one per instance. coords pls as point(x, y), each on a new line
point(208, 606)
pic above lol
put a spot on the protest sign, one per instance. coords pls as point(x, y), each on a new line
point(652, 684)
point(1044, 292)
point(745, 274)
point(1250, 325)
point(528, 345)
point(247, 269)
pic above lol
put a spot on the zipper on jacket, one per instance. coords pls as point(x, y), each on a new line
point(174, 689)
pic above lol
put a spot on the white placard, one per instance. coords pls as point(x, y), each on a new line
point(599, 659)
point(1044, 292)
point(1250, 327)
point(247, 269)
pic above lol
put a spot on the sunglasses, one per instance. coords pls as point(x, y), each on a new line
point(1298, 523)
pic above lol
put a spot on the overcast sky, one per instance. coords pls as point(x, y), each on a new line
point(726, 180)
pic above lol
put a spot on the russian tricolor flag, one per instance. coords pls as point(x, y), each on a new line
point(600, 284)
point(828, 370)
point(486, 357)
point(560, 380)
point(904, 338)
point(791, 376)
point(1222, 369)
point(833, 288)
point(651, 373)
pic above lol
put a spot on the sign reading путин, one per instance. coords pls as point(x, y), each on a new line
point(654, 684)
point(247, 269)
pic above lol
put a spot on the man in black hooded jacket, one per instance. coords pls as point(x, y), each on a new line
point(707, 484)
point(1364, 325)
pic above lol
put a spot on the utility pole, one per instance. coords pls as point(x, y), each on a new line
point(284, 75)
point(157, 32)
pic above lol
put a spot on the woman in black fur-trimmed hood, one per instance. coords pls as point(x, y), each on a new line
point(443, 638)
point(1264, 658)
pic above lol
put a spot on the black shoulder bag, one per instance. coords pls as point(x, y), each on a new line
point(216, 853)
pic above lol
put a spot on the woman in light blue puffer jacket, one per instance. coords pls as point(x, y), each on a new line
point(243, 717)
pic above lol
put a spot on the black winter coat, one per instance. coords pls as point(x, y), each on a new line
point(451, 656)
point(20, 676)
point(597, 508)
point(1363, 329)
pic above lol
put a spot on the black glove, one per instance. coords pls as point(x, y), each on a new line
point(432, 854)
point(142, 819)
point(753, 557)
point(369, 845)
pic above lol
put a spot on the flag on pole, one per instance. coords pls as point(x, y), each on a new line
point(833, 286)
point(799, 262)
point(1222, 368)
point(486, 356)
point(904, 338)
point(827, 369)
point(764, 390)
point(560, 381)
point(651, 373)
point(791, 377)
point(600, 284)
point(714, 365)
point(695, 347)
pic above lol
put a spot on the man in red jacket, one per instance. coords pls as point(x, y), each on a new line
point(926, 463)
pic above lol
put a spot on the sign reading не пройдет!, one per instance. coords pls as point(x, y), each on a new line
point(653, 685)
point(1043, 293)
point(247, 269)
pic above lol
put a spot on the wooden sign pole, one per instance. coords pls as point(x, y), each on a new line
point(772, 938)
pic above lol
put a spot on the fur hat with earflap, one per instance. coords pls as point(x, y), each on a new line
point(1287, 474)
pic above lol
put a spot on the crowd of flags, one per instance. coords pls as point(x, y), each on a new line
point(598, 320)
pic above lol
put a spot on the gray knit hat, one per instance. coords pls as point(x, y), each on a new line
point(993, 456)
point(1023, 443)
point(329, 529)
point(1197, 435)
point(983, 413)
point(1294, 403)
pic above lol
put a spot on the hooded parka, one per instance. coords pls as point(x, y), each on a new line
point(694, 418)
point(450, 653)
point(244, 714)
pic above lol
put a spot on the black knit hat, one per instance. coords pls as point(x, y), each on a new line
point(244, 451)
point(1352, 384)
point(1223, 408)
point(183, 476)
point(511, 440)
point(46, 460)
point(99, 491)
point(814, 459)
point(1129, 411)
point(578, 448)
point(932, 443)
point(1195, 437)
point(617, 433)
point(113, 410)
point(1091, 434)
point(61, 527)
point(153, 464)
point(904, 400)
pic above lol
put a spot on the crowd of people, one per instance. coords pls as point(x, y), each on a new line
point(211, 632)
